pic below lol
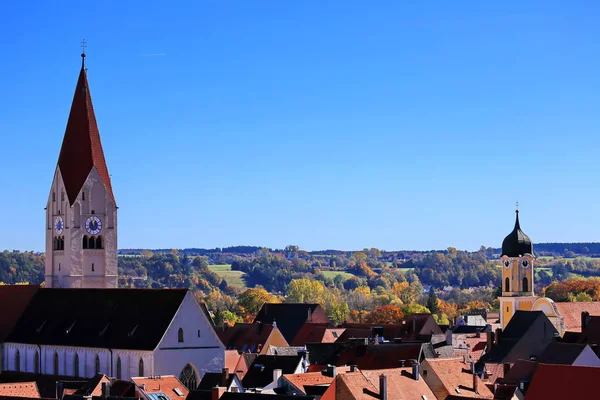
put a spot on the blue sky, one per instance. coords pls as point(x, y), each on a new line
point(326, 124)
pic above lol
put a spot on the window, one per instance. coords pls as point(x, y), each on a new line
point(188, 377)
point(198, 332)
point(507, 285)
point(36, 363)
point(97, 365)
point(525, 285)
point(62, 196)
point(141, 368)
point(180, 335)
point(85, 242)
point(92, 242)
point(59, 266)
point(53, 197)
point(93, 267)
point(76, 365)
point(99, 242)
point(18, 361)
point(118, 367)
point(56, 372)
point(82, 195)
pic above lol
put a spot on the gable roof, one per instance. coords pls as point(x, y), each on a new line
point(46, 384)
point(18, 296)
point(260, 373)
point(20, 389)
point(454, 374)
point(81, 147)
point(354, 386)
point(520, 323)
point(550, 382)
point(310, 332)
point(246, 337)
point(380, 356)
point(167, 384)
point(301, 381)
point(290, 316)
point(134, 319)
point(212, 379)
point(522, 370)
point(571, 312)
point(401, 384)
point(232, 358)
point(561, 353)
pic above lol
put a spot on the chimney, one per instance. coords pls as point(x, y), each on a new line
point(401, 363)
point(224, 377)
point(353, 368)
point(498, 335)
point(472, 367)
point(475, 383)
point(276, 375)
point(506, 368)
point(490, 341)
point(383, 387)
point(274, 323)
point(415, 371)
point(585, 319)
point(217, 392)
point(331, 371)
point(106, 389)
point(144, 387)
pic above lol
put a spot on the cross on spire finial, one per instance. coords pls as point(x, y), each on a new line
point(517, 206)
point(83, 46)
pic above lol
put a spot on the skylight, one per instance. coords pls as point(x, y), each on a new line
point(178, 391)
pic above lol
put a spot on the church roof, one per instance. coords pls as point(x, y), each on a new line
point(517, 243)
point(81, 147)
point(134, 319)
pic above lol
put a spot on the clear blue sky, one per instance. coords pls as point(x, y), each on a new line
point(326, 124)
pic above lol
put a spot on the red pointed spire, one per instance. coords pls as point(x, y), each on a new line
point(81, 148)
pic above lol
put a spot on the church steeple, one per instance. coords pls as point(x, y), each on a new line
point(81, 147)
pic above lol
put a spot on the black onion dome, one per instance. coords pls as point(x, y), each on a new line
point(517, 243)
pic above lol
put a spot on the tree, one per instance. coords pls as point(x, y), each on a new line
point(305, 291)
point(386, 315)
point(432, 301)
point(230, 318)
point(409, 309)
point(251, 301)
point(336, 307)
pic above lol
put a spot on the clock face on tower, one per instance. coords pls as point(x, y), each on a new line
point(93, 225)
point(58, 225)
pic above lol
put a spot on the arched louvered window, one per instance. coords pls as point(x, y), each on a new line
point(141, 368)
point(507, 285)
point(180, 335)
point(36, 363)
point(118, 367)
point(76, 365)
point(56, 371)
point(92, 242)
point(97, 365)
point(99, 242)
point(85, 242)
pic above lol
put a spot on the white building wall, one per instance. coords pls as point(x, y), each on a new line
point(204, 351)
point(587, 358)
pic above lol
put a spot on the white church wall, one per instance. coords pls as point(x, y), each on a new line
point(204, 351)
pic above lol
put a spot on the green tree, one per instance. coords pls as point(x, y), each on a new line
point(305, 291)
point(432, 301)
point(409, 309)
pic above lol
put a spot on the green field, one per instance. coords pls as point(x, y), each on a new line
point(333, 274)
point(233, 278)
point(405, 270)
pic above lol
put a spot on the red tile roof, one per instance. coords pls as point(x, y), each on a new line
point(308, 379)
point(380, 356)
point(232, 357)
point(572, 313)
point(20, 389)
point(400, 384)
point(455, 378)
point(167, 384)
point(310, 333)
point(81, 147)
point(564, 382)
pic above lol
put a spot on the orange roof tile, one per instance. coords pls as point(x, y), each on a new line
point(474, 345)
point(166, 384)
point(332, 334)
point(308, 379)
point(454, 374)
point(20, 389)
point(572, 313)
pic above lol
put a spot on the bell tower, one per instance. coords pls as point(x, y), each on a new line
point(81, 212)
point(517, 273)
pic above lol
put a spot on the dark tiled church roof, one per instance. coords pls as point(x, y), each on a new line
point(517, 243)
point(133, 319)
point(81, 147)
point(18, 296)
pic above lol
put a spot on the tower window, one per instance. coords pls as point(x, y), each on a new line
point(55, 363)
point(507, 285)
point(62, 196)
point(198, 332)
point(59, 266)
point(97, 364)
point(525, 285)
point(99, 242)
point(18, 361)
point(82, 195)
point(92, 243)
point(85, 242)
point(93, 211)
point(92, 267)
point(53, 197)
point(118, 367)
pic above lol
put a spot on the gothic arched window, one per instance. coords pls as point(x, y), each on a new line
point(91, 243)
point(18, 361)
point(525, 285)
point(99, 242)
point(56, 372)
point(76, 365)
point(118, 367)
point(189, 378)
point(36, 363)
point(180, 335)
point(141, 368)
point(507, 285)
point(97, 365)
point(85, 242)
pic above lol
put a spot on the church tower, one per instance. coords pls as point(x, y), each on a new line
point(81, 213)
point(517, 274)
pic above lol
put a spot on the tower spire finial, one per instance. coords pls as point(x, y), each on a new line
point(517, 207)
point(83, 46)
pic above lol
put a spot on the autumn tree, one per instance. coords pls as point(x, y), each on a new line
point(432, 301)
point(409, 309)
point(305, 291)
point(386, 315)
point(251, 301)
